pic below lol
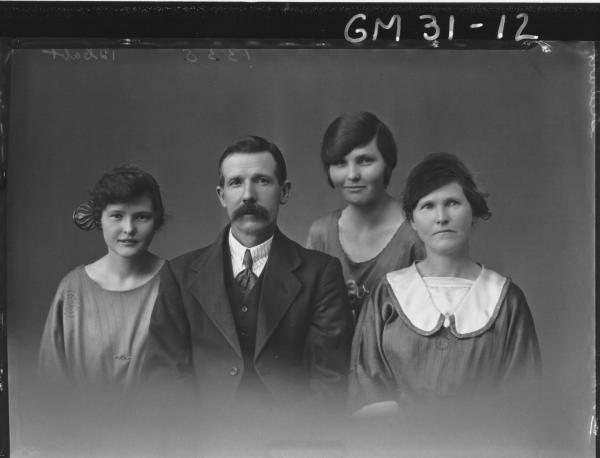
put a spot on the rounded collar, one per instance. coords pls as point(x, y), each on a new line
point(474, 316)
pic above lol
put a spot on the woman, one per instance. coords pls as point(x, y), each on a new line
point(97, 326)
point(445, 326)
point(370, 235)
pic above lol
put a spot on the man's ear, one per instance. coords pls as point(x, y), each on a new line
point(221, 196)
point(285, 192)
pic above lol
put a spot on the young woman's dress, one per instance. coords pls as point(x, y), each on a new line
point(361, 277)
point(94, 336)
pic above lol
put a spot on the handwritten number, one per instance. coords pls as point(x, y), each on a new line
point(212, 55)
point(519, 36)
point(501, 27)
point(89, 54)
point(431, 25)
point(50, 52)
point(189, 55)
point(231, 56)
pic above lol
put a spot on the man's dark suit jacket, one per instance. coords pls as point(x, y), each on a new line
point(304, 327)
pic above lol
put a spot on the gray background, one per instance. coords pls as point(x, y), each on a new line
point(520, 119)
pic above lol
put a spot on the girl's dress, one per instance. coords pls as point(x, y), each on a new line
point(94, 336)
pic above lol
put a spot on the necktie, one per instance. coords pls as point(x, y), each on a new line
point(246, 278)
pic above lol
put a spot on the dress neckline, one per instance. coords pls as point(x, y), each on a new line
point(338, 215)
point(97, 285)
point(476, 313)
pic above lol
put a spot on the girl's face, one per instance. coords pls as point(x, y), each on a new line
point(359, 175)
point(443, 219)
point(128, 228)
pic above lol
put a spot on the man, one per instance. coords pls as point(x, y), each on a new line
point(254, 317)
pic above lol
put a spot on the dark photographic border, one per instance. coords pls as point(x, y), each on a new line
point(263, 25)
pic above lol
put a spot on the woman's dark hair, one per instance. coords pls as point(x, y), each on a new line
point(355, 130)
point(124, 184)
point(435, 171)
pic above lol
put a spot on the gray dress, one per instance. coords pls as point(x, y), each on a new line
point(405, 350)
point(95, 336)
point(361, 277)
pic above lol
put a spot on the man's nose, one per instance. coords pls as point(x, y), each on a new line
point(249, 192)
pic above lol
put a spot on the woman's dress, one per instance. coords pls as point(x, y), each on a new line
point(406, 350)
point(94, 336)
point(361, 277)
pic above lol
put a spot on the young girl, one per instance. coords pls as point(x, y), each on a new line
point(97, 326)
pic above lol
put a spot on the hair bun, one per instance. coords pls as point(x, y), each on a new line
point(83, 217)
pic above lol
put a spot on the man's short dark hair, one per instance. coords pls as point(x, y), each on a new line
point(255, 144)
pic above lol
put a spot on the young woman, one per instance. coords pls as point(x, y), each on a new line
point(370, 235)
point(97, 326)
point(445, 326)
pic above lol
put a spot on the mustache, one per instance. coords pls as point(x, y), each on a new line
point(250, 208)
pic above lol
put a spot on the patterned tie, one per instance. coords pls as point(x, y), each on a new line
point(246, 278)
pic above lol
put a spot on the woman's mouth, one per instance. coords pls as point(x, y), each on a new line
point(128, 241)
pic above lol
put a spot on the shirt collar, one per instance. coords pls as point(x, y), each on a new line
point(259, 253)
point(478, 309)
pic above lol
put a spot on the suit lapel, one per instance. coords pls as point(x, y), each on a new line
point(280, 287)
point(208, 288)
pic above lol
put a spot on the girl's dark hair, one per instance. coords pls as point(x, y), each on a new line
point(355, 130)
point(121, 184)
point(435, 171)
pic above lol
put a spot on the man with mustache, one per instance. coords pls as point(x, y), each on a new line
point(253, 319)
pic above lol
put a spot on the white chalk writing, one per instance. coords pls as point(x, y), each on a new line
point(216, 55)
point(88, 54)
point(356, 29)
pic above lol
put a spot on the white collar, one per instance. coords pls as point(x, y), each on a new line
point(260, 254)
point(477, 312)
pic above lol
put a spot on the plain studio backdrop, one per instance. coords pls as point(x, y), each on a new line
point(522, 120)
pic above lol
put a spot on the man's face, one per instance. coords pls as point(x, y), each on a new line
point(251, 195)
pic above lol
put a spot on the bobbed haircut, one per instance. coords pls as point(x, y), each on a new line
point(124, 184)
point(435, 171)
point(254, 144)
point(355, 130)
